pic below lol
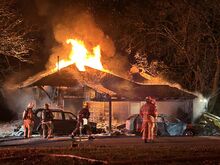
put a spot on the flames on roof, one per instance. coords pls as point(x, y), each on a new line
point(107, 83)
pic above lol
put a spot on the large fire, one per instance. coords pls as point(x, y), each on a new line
point(81, 57)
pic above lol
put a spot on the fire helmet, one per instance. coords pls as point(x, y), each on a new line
point(30, 105)
point(148, 98)
point(85, 104)
point(46, 105)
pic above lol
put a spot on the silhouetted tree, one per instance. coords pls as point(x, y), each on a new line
point(178, 40)
point(18, 42)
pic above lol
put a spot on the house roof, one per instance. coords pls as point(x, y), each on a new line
point(137, 91)
point(107, 83)
point(69, 77)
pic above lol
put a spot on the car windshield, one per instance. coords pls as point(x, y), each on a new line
point(56, 112)
point(69, 116)
point(171, 119)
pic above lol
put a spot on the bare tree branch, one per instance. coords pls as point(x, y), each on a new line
point(14, 36)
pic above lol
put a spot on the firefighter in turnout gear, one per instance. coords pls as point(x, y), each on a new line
point(83, 120)
point(148, 113)
point(47, 122)
point(28, 121)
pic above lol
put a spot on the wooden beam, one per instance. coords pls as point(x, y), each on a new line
point(110, 114)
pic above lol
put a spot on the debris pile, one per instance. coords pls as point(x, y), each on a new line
point(208, 124)
point(7, 129)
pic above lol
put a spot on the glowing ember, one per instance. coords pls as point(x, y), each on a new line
point(80, 56)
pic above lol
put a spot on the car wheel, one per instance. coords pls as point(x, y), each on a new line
point(188, 133)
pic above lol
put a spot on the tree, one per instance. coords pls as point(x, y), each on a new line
point(179, 36)
point(19, 46)
point(18, 41)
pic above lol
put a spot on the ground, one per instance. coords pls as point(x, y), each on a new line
point(112, 150)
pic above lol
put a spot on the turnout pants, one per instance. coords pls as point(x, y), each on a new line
point(47, 129)
point(28, 126)
point(148, 128)
point(81, 124)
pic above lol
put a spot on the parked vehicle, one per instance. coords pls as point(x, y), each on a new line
point(64, 122)
point(165, 126)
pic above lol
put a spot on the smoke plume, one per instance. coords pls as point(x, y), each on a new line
point(81, 27)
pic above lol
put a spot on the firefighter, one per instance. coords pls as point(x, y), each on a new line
point(47, 122)
point(148, 113)
point(83, 119)
point(28, 121)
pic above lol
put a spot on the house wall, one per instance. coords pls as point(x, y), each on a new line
point(99, 112)
point(182, 109)
point(73, 105)
point(121, 110)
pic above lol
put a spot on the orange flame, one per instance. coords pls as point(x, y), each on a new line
point(80, 56)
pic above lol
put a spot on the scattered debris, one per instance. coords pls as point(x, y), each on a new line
point(10, 128)
point(208, 124)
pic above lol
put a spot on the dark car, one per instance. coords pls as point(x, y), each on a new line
point(166, 126)
point(64, 122)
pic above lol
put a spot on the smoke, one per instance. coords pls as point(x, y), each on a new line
point(200, 105)
point(73, 19)
point(65, 21)
point(43, 7)
point(16, 99)
point(82, 27)
point(118, 65)
point(6, 114)
point(12, 100)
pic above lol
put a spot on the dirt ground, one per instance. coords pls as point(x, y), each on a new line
point(117, 150)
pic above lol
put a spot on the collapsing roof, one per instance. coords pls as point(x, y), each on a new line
point(106, 83)
point(139, 91)
point(70, 77)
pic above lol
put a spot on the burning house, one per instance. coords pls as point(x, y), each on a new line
point(82, 77)
point(112, 98)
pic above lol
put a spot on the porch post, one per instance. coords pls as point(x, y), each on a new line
point(110, 114)
point(58, 88)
